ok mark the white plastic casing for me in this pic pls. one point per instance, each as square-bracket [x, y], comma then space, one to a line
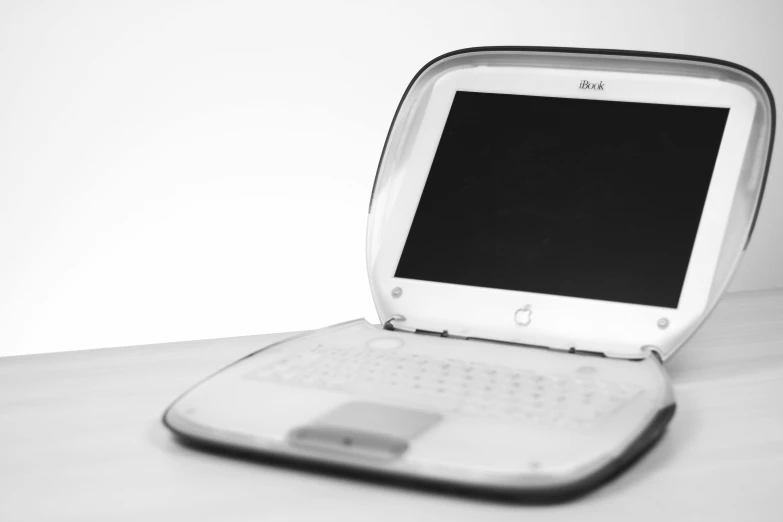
[614, 329]
[492, 452]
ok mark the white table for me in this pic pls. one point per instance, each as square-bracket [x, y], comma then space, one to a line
[81, 438]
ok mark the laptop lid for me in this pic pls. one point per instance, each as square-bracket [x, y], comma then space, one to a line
[590, 201]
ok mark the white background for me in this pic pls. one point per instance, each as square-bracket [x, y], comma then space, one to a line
[184, 170]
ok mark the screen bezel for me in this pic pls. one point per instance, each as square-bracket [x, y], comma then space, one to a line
[557, 321]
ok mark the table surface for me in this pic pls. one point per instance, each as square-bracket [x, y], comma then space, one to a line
[81, 438]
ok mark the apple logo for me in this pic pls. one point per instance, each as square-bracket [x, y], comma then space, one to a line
[523, 315]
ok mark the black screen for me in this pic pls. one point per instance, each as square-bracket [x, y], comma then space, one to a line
[581, 198]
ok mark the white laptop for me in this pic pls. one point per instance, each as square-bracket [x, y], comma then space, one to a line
[546, 229]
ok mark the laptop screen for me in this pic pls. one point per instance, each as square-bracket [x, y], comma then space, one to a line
[580, 198]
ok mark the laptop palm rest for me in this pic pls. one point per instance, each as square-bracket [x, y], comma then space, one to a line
[364, 429]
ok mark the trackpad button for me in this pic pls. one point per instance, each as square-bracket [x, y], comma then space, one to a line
[365, 429]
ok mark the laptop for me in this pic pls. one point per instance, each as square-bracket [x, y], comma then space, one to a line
[546, 229]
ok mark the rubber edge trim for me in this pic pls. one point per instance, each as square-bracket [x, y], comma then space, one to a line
[646, 440]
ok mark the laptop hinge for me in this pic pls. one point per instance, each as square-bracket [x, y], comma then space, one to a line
[392, 327]
[394, 324]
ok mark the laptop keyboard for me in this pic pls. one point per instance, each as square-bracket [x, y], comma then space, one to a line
[452, 386]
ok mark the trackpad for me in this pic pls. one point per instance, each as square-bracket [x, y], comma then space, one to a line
[365, 429]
